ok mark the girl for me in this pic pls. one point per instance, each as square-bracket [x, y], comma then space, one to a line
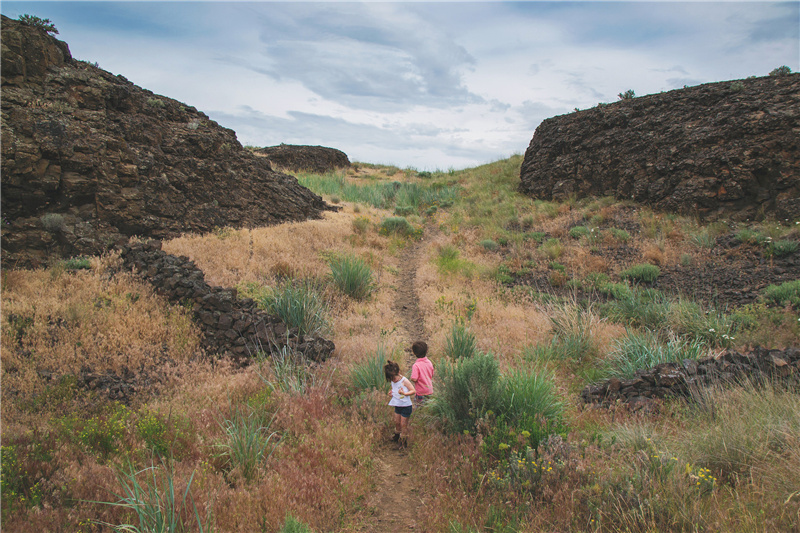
[401, 393]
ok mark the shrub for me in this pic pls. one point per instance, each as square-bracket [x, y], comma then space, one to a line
[737, 86]
[369, 375]
[784, 247]
[552, 248]
[703, 239]
[466, 391]
[536, 236]
[644, 273]
[528, 402]
[299, 305]
[647, 308]
[360, 225]
[643, 350]
[396, 225]
[747, 235]
[461, 342]
[293, 525]
[77, 263]
[783, 70]
[404, 210]
[489, 244]
[787, 293]
[627, 95]
[620, 234]
[153, 431]
[42, 24]
[247, 441]
[352, 276]
[52, 222]
[710, 326]
[577, 232]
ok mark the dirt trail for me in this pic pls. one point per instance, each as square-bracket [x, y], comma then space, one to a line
[397, 499]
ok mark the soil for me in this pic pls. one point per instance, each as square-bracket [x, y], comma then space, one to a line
[398, 498]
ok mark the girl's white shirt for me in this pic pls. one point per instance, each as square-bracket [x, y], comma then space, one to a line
[399, 400]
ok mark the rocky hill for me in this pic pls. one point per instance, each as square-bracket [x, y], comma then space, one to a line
[728, 148]
[90, 159]
[318, 159]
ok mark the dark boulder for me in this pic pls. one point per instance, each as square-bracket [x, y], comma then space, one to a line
[316, 159]
[719, 149]
[90, 159]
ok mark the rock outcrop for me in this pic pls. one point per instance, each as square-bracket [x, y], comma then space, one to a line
[686, 379]
[720, 149]
[232, 326]
[317, 159]
[89, 159]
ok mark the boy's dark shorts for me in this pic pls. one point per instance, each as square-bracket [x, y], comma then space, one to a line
[404, 411]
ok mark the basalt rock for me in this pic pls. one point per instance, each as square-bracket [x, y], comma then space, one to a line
[719, 149]
[688, 378]
[317, 159]
[90, 159]
[232, 327]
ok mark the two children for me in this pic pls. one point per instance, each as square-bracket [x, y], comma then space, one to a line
[402, 389]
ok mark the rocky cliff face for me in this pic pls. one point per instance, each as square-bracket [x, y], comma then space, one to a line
[728, 148]
[317, 159]
[89, 159]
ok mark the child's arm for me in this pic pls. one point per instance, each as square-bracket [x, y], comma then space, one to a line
[411, 390]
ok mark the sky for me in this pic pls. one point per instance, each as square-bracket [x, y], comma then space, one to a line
[445, 85]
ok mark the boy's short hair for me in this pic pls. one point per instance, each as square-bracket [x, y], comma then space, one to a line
[390, 370]
[420, 349]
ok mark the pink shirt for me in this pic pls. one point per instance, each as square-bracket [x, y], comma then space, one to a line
[422, 375]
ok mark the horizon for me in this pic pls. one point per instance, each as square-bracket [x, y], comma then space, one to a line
[420, 85]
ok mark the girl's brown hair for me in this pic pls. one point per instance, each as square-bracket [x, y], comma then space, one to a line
[390, 369]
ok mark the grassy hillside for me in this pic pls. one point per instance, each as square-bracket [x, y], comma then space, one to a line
[523, 300]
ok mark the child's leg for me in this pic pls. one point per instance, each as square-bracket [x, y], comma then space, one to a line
[404, 425]
[398, 421]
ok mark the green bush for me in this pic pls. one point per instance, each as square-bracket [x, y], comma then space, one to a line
[747, 235]
[529, 402]
[100, 434]
[77, 263]
[645, 273]
[787, 293]
[369, 375]
[577, 232]
[627, 95]
[783, 70]
[536, 236]
[293, 525]
[647, 308]
[397, 226]
[489, 244]
[52, 222]
[552, 248]
[352, 276]
[404, 210]
[461, 342]
[36, 22]
[620, 234]
[643, 350]
[360, 225]
[153, 431]
[299, 305]
[247, 441]
[709, 326]
[466, 390]
[784, 247]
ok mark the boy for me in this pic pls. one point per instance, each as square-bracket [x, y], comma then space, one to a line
[422, 372]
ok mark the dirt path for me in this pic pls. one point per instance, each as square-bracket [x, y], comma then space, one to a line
[397, 497]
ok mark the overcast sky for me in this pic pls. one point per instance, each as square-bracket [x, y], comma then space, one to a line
[428, 85]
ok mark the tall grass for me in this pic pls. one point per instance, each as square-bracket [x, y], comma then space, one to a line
[647, 308]
[461, 342]
[369, 375]
[529, 401]
[382, 194]
[299, 304]
[248, 441]
[466, 390]
[640, 350]
[352, 276]
[153, 500]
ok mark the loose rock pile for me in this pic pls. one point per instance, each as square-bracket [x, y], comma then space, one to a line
[672, 380]
[232, 327]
